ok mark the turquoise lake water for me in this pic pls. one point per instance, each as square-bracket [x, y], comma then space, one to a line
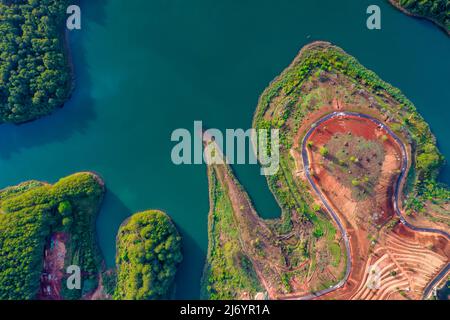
[144, 68]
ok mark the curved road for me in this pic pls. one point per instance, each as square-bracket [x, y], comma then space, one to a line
[402, 175]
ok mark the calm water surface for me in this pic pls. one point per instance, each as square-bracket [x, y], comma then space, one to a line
[144, 68]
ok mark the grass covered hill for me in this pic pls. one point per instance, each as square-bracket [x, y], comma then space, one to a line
[34, 70]
[30, 213]
[148, 253]
[299, 91]
[302, 251]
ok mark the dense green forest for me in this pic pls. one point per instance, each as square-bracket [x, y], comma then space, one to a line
[148, 252]
[149, 246]
[29, 213]
[35, 74]
[437, 10]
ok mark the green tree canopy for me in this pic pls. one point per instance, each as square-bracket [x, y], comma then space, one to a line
[148, 252]
[34, 71]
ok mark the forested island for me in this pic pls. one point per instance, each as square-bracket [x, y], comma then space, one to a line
[437, 11]
[148, 253]
[35, 75]
[36, 218]
[45, 229]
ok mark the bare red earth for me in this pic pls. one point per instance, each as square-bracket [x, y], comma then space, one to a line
[53, 271]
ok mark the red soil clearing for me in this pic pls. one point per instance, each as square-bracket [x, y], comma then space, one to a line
[365, 128]
[407, 260]
[53, 271]
[368, 130]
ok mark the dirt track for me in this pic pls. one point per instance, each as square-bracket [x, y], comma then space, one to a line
[408, 260]
[53, 271]
[356, 237]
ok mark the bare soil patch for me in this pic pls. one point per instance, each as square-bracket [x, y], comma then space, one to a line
[53, 271]
[376, 237]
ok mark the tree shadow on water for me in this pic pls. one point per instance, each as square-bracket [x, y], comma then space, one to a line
[190, 271]
[94, 11]
[78, 113]
[113, 213]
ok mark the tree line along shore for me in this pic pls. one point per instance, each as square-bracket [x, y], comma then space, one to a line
[148, 244]
[437, 11]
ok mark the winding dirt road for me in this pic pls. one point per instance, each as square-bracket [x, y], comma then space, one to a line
[398, 187]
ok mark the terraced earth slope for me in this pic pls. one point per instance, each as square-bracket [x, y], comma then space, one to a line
[406, 263]
[372, 222]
